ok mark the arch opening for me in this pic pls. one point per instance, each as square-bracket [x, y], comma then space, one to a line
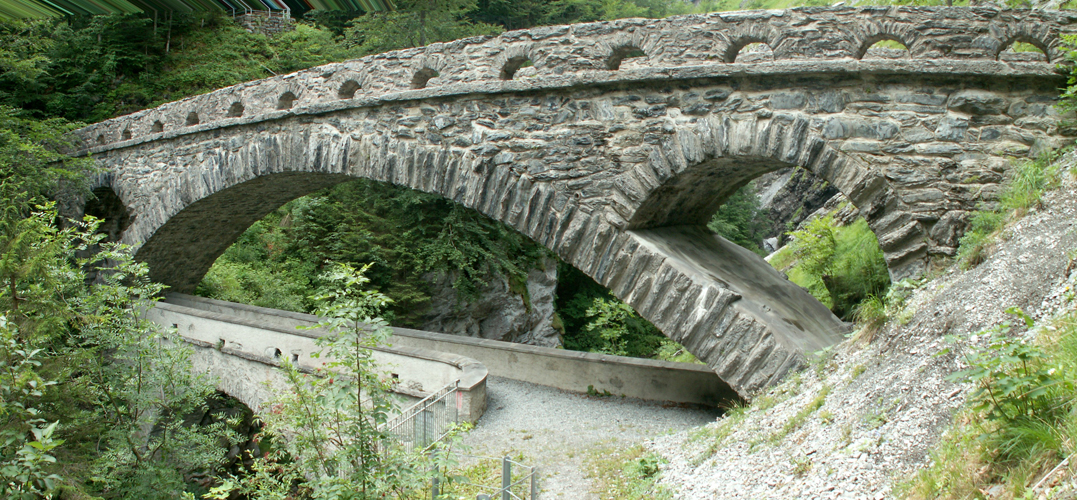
[157, 127]
[883, 47]
[235, 110]
[261, 269]
[126, 134]
[422, 77]
[286, 101]
[347, 89]
[1023, 49]
[192, 119]
[620, 54]
[749, 50]
[513, 65]
[834, 255]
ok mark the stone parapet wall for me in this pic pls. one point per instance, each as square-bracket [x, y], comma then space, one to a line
[932, 35]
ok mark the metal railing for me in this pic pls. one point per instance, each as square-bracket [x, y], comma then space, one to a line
[525, 487]
[428, 421]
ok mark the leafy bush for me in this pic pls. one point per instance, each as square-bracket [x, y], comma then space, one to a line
[840, 266]
[1021, 418]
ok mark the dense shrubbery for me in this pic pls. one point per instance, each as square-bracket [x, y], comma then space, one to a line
[842, 266]
[1022, 419]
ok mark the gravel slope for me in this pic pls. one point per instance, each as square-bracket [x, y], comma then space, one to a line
[558, 430]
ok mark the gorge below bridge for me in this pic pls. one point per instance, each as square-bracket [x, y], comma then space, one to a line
[616, 144]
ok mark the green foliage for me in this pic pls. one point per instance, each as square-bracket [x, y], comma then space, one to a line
[404, 234]
[26, 439]
[741, 221]
[840, 266]
[1024, 190]
[328, 423]
[596, 321]
[415, 23]
[1021, 418]
[630, 474]
[138, 382]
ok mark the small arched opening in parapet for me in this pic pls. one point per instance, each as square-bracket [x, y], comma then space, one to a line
[192, 119]
[273, 353]
[286, 101]
[749, 50]
[235, 110]
[347, 89]
[126, 134]
[513, 65]
[422, 77]
[1023, 49]
[101, 139]
[620, 54]
[157, 127]
[105, 205]
[883, 46]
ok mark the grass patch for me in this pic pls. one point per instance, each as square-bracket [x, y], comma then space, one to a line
[483, 476]
[717, 434]
[1021, 421]
[630, 474]
[802, 416]
[1028, 182]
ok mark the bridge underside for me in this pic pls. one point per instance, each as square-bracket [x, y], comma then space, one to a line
[618, 177]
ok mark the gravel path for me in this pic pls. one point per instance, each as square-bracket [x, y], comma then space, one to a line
[559, 430]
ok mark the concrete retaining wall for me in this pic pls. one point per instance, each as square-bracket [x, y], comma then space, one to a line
[243, 351]
[569, 370]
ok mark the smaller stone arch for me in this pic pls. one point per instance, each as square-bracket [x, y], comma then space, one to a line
[1003, 45]
[867, 43]
[613, 62]
[126, 134]
[731, 52]
[286, 100]
[157, 127]
[511, 66]
[422, 77]
[348, 88]
[192, 119]
[1040, 37]
[874, 32]
[101, 139]
[235, 110]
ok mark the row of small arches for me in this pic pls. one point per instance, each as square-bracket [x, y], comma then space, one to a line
[749, 45]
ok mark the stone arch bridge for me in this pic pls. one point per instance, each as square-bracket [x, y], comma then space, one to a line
[617, 162]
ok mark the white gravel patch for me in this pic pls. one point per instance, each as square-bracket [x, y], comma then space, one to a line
[558, 430]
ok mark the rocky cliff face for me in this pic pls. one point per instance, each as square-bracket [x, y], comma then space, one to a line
[500, 313]
[788, 197]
